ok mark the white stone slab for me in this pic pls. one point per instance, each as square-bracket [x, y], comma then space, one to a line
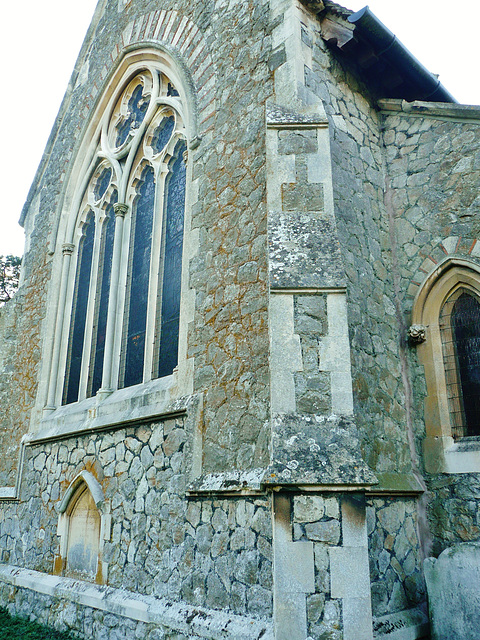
[349, 572]
[294, 567]
[357, 619]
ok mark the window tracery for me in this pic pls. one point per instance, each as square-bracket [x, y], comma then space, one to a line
[125, 302]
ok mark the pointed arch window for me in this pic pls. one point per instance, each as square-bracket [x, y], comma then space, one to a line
[460, 333]
[125, 301]
[447, 305]
[79, 312]
[84, 525]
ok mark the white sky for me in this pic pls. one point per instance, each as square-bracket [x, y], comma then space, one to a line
[41, 40]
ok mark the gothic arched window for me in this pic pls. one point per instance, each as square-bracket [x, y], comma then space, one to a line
[84, 524]
[447, 305]
[83, 541]
[460, 333]
[128, 241]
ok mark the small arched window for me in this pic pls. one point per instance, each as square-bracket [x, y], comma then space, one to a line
[127, 243]
[83, 542]
[83, 526]
[448, 306]
[460, 332]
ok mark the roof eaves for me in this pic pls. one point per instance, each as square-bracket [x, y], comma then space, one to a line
[387, 65]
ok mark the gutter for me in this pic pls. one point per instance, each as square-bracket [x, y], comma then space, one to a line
[387, 46]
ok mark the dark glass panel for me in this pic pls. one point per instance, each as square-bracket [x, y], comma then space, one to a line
[137, 107]
[466, 331]
[171, 91]
[172, 264]
[79, 312]
[103, 294]
[102, 183]
[162, 134]
[139, 268]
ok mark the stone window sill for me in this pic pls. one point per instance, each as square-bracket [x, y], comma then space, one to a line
[444, 455]
[139, 403]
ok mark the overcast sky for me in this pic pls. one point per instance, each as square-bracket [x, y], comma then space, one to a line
[41, 40]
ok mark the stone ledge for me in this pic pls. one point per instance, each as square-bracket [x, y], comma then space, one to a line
[228, 483]
[316, 450]
[280, 117]
[206, 623]
[396, 484]
[121, 409]
[436, 109]
[8, 493]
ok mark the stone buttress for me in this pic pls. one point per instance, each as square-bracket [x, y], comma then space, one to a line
[321, 572]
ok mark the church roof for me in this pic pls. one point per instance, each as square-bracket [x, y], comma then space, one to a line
[376, 54]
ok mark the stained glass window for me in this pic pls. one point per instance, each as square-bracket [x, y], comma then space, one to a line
[460, 331]
[162, 134]
[102, 183]
[139, 273]
[137, 107]
[103, 293]
[125, 306]
[77, 326]
[171, 91]
[172, 264]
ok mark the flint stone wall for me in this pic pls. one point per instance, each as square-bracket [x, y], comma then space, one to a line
[395, 563]
[105, 613]
[205, 551]
[454, 510]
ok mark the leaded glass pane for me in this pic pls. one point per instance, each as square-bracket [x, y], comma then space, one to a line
[162, 134]
[460, 332]
[137, 108]
[466, 330]
[102, 183]
[103, 294]
[139, 273]
[172, 264]
[77, 326]
[171, 91]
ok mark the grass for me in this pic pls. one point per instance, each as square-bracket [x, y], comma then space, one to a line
[13, 628]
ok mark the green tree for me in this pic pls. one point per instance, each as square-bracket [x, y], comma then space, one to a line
[9, 277]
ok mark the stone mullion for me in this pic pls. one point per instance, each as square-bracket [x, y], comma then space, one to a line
[67, 250]
[107, 383]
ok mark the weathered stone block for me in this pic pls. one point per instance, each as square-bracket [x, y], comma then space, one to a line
[301, 141]
[304, 250]
[302, 197]
[453, 581]
[328, 532]
[308, 508]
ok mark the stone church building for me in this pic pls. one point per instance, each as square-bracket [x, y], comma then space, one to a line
[240, 381]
